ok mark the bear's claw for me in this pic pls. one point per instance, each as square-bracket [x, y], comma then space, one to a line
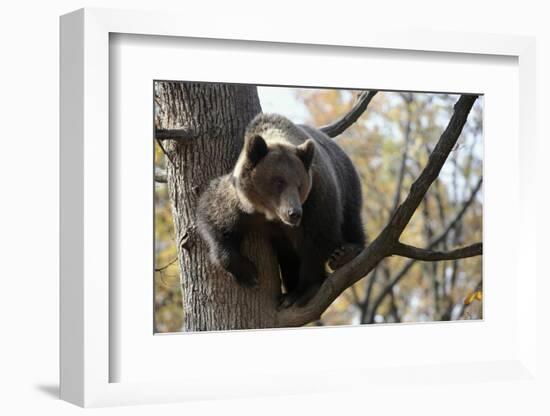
[343, 255]
[248, 275]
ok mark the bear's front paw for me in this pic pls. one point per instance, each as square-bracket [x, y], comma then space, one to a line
[343, 255]
[298, 298]
[286, 300]
[248, 275]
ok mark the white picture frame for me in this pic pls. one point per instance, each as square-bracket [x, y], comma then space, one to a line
[86, 355]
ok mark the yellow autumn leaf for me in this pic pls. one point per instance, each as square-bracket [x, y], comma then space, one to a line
[476, 295]
[470, 298]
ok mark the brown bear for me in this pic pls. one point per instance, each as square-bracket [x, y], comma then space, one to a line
[297, 184]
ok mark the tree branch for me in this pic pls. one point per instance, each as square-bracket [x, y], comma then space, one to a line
[396, 199]
[458, 216]
[387, 290]
[404, 157]
[339, 126]
[162, 268]
[404, 250]
[441, 237]
[159, 142]
[383, 245]
[173, 134]
[437, 158]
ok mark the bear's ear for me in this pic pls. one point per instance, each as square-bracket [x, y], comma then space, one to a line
[305, 152]
[256, 149]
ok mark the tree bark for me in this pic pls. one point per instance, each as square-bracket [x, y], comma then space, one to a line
[211, 120]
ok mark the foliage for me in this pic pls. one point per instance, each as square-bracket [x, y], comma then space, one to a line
[168, 305]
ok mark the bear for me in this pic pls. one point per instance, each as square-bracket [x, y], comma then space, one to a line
[301, 190]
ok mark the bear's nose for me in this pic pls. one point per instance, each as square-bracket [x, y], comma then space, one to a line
[294, 214]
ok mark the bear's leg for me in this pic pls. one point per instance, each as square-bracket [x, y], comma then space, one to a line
[354, 239]
[311, 276]
[289, 263]
[352, 227]
[343, 255]
[226, 253]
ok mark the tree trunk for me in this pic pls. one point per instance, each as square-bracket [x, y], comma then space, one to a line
[214, 118]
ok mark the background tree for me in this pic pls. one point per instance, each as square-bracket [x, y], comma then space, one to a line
[389, 146]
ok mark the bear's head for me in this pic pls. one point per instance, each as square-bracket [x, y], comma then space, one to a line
[274, 179]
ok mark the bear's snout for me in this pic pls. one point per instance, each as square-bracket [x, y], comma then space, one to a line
[294, 215]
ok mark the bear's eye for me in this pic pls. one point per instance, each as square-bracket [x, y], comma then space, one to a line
[279, 184]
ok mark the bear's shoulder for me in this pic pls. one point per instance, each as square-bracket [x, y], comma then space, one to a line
[219, 205]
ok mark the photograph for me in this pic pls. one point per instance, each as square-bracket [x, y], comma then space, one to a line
[303, 206]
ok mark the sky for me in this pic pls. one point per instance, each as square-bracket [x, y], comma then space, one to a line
[283, 101]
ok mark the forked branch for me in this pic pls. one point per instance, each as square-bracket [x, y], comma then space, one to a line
[387, 241]
[432, 244]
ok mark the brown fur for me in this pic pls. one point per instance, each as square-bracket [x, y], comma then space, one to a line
[302, 187]
[276, 183]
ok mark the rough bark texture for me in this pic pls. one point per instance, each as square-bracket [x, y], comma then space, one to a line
[213, 118]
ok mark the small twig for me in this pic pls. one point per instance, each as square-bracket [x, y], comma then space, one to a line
[366, 302]
[404, 157]
[160, 269]
[165, 151]
[459, 215]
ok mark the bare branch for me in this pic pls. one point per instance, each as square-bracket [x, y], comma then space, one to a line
[383, 245]
[404, 250]
[366, 302]
[173, 134]
[388, 289]
[339, 126]
[437, 158]
[162, 268]
[458, 216]
[404, 156]
[396, 199]
[441, 237]
[159, 142]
